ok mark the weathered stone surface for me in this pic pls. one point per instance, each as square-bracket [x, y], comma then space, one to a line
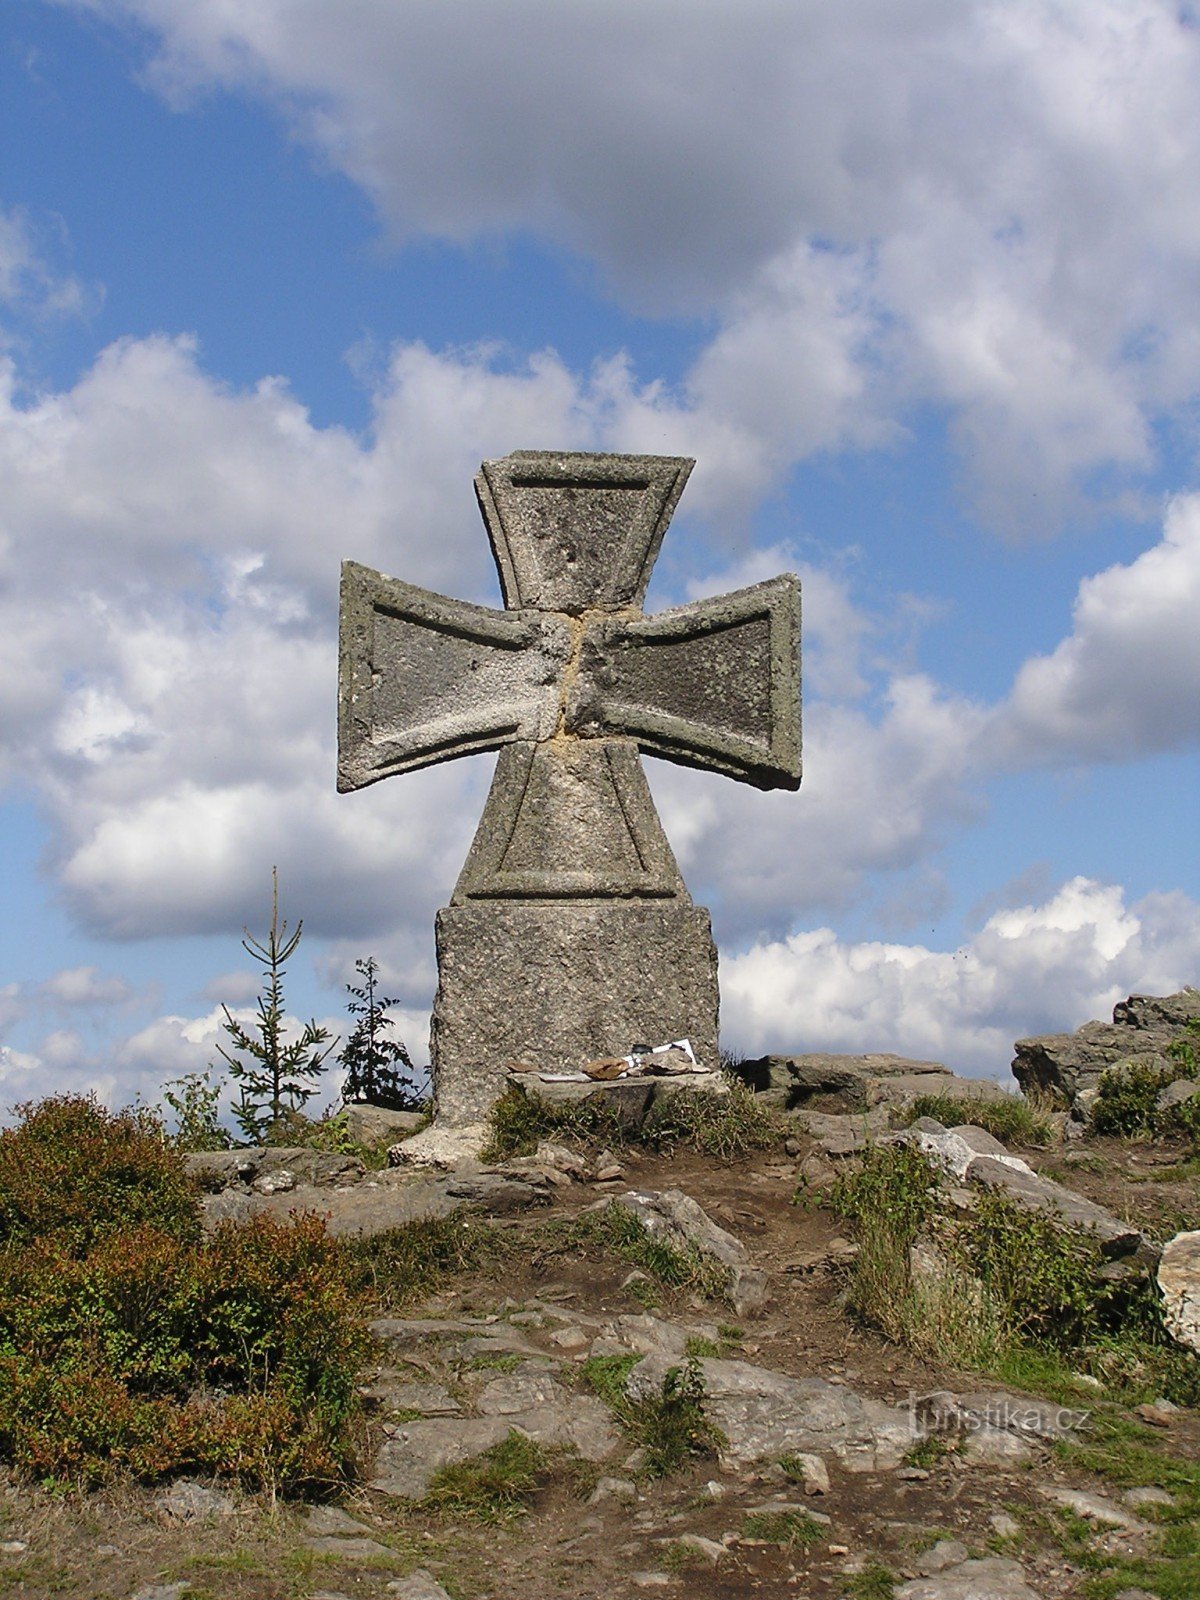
[1070, 1064]
[418, 1585]
[559, 983]
[570, 935]
[376, 1126]
[676, 1216]
[1176, 1093]
[441, 1148]
[1150, 1011]
[956, 1149]
[220, 1169]
[988, 1579]
[845, 1133]
[1179, 1281]
[765, 1415]
[1095, 1507]
[185, 1500]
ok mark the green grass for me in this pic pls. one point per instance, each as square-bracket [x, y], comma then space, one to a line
[617, 1230]
[723, 1126]
[1127, 1455]
[792, 1529]
[494, 1486]
[874, 1582]
[1012, 1120]
[670, 1427]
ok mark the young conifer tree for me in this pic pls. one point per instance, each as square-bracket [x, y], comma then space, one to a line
[280, 1075]
[373, 1060]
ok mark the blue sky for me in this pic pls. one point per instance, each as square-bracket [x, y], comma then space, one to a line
[916, 283]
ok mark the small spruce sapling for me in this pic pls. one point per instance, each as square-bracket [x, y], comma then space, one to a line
[372, 1060]
[279, 1078]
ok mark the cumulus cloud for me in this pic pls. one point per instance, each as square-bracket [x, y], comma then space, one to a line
[1126, 680]
[990, 207]
[1030, 969]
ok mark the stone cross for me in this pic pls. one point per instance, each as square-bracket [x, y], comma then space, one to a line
[570, 934]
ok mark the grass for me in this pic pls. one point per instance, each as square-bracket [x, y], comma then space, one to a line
[403, 1263]
[670, 1427]
[874, 1582]
[1012, 1120]
[722, 1126]
[494, 1486]
[618, 1231]
[519, 1121]
[792, 1529]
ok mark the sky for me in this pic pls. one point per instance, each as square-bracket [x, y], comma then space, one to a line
[916, 282]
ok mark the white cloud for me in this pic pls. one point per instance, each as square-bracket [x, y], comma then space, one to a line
[85, 986]
[28, 283]
[1126, 680]
[991, 207]
[878, 796]
[1033, 969]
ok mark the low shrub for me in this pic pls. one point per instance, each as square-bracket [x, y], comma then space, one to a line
[74, 1171]
[130, 1343]
[1126, 1102]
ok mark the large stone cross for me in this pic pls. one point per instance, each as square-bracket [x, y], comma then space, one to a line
[570, 934]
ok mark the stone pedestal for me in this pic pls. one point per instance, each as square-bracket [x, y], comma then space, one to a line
[560, 983]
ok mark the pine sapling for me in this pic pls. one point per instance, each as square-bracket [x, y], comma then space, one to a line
[372, 1060]
[279, 1077]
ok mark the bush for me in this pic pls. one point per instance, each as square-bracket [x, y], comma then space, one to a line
[74, 1171]
[1127, 1097]
[136, 1345]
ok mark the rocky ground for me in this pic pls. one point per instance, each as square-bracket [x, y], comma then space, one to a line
[838, 1464]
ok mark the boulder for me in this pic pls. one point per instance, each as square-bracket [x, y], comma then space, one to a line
[849, 1078]
[678, 1218]
[258, 1166]
[1179, 1281]
[1070, 1064]
[378, 1126]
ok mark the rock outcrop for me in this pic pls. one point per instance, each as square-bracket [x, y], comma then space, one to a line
[855, 1083]
[1070, 1064]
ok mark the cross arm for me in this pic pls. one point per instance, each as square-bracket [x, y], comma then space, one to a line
[423, 678]
[714, 684]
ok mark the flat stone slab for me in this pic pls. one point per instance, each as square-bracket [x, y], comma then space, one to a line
[765, 1415]
[989, 1579]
